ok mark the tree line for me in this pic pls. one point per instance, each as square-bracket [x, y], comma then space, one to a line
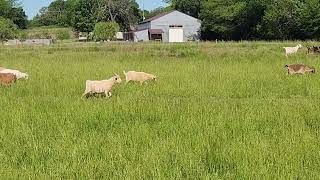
[254, 19]
[221, 19]
[83, 15]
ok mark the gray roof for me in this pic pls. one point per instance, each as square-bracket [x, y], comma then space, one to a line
[156, 17]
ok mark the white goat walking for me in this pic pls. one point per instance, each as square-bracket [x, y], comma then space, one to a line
[292, 50]
[139, 76]
[18, 74]
[100, 87]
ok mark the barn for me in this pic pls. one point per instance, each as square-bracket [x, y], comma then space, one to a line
[173, 26]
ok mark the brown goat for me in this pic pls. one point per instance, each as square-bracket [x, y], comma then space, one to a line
[299, 69]
[313, 49]
[6, 79]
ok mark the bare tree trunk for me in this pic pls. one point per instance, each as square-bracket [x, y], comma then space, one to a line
[112, 17]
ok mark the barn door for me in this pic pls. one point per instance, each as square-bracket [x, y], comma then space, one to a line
[176, 35]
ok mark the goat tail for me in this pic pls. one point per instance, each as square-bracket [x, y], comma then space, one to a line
[286, 66]
[124, 72]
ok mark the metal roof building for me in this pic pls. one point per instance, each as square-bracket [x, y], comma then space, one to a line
[173, 26]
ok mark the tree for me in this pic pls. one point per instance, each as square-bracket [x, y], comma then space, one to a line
[82, 15]
[223, 19]
[125, 12]
[10, 9]
[310, 19]
[85, 15]
[281, 20]
[190, 7]
[19, 17]
[254, 19]
[4, 8]
[58, 13]
[8, 29]
[106, 30]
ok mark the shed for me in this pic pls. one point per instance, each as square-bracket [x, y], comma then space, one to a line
[173, 26]
[119, 36]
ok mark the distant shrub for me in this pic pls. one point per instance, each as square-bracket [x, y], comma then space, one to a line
[36, 35]
[105, 30]
[23, 35]
[45, 34]
[63, 35]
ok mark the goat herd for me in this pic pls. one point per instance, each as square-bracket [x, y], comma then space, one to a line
[10, 76]
[105, 86]
[300, 68]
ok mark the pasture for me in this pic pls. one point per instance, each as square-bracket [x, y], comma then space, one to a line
[217, 111]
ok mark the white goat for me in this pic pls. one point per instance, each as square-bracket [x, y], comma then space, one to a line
[100, 87]
[292, 50]
[139, 76]
[18, 74]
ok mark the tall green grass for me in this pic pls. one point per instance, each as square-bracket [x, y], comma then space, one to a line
[217, 111]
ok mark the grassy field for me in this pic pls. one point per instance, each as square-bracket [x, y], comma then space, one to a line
[218, 111]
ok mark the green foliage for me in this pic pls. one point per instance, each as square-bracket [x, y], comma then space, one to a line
[19, 17]
[45, 34]
[63, 34]
[281, 20]
[23, 35]
[58, 13]
[11, 10]
[190, 7]
[4, 8]
[310, 19]
[223, 17]
[82, 15]
[41, 34]
[8, 29]
[106, 30]
[85, 18]
[125, 12]
[49, 32]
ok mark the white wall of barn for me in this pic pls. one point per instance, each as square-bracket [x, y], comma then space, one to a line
[141, 35]
[191, 25]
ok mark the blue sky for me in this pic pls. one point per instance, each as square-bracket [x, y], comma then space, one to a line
[32, 7]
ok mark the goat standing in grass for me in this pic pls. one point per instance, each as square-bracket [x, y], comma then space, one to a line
[101, 87]
[139, 76]
[299, 69]
[292, 50]
[18, 74]
[313, 49]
